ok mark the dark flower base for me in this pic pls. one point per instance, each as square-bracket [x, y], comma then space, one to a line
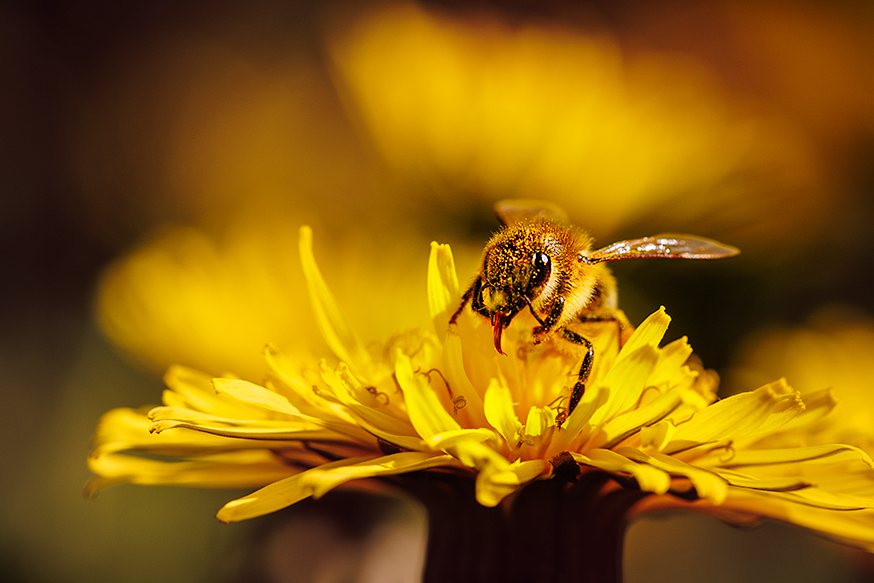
[551, 530]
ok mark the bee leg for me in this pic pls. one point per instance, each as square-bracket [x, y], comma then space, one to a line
[617, 316]
[473, 289]
[603, 317]
[625, 327]
[585, 367]
[551, 319]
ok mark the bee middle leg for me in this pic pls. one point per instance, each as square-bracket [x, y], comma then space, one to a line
[617, 316]
[585, 367]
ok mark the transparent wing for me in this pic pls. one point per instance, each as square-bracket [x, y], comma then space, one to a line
[519, 209]
[667, 245]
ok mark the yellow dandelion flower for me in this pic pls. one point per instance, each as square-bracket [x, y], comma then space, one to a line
[487, 443]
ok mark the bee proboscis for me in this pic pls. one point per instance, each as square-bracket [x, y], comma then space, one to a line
[540, 262]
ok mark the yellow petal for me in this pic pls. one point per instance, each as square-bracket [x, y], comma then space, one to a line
[498, 403]
[676, 353]
[693, 401]
[494, 482]
[816, 406]
[477, 454]
[255, 395]
[649, 333]
[771, 484]
[619, 428]
[853, 527]
[649, 478]
[319, 480]
[345, 388]
[539, 421]
[185, 414]
[194, 389]
[453, 368]
[332, 323]
[707, 484]
[656, 436]
[745, 415]
[577, 427]
[323, 481]
[670, 370]
[265, 436]
[449, 440]
[828, 500]
[127, 429]
[852, 478]
[234, 469]
[424, 408]
[196, 417]
[358, 420]
[624, 383]
[443, 292]
[812, 454]
[354, 388]
[300, 393]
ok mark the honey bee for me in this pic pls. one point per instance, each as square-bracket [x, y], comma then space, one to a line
[540, 262]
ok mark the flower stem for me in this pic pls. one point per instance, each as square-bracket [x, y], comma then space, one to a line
[550, 530]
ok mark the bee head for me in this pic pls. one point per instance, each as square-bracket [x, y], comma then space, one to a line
[514, 275]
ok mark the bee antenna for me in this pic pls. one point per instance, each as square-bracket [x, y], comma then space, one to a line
[533, 313]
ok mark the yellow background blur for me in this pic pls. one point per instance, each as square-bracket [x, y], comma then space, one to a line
[157, 160]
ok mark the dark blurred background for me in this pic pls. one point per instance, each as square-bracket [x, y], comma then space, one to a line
[156, 160]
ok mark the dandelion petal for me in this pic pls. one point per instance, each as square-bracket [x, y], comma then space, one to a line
[255, 395]
[498, 405]
[649, 478]
[332, 323]
[319, 480]
[443, 292]
[424, 408]
[497, 481]
[708, 485]
[649, 333]
[745, 415]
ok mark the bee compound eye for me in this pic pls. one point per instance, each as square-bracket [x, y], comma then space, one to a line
[542, 267]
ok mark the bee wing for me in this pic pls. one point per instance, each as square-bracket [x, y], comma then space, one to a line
[667, 245]
[519, 209]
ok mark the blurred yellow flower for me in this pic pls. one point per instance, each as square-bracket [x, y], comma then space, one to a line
[441, 399]
[832, 354]
[212, 303]
[476, 104]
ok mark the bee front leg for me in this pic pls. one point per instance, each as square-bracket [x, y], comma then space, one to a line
[554, 314]
[585, 367]
[472, 291]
